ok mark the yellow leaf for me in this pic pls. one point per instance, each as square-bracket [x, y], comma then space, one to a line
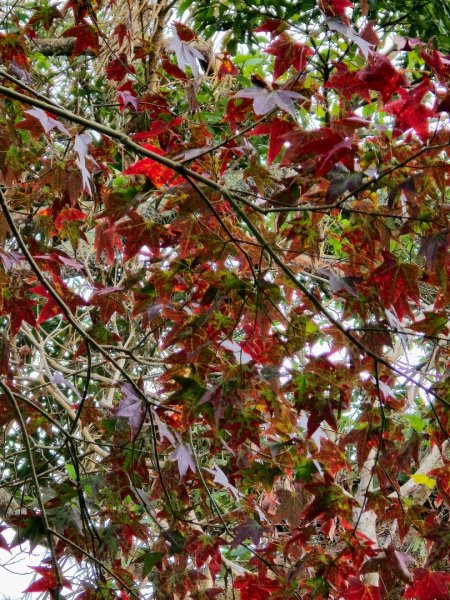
[423, 479]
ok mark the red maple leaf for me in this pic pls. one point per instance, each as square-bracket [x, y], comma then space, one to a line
[365, 437]
[392, 566]
[109, 300]
[429, 585]
[356, 590]
[12, 50]
[396, 283]
[19, 307]
[44, 15]
[410, 112]
[86, 37]
[237, 111]
[438, 62]
[434, 249]
[348, 83]
[159, 174]
[272, 26]
[137, 232]
[349, 124]
[288, 53]
[120, 31]
[106, 240]
[332, 457]
[255, 587]
[47, 583]
[329, 145]
[329, 501]
[67, 215]
[157, 127]
[250, 530]
[369, 34]
[118, 68]
[31, 124]
[440, 536]
[79, 7]
[276, 129]
[172, 69]
[51, 307]
[442, 477]
[308, 389]
[185, 33]
[380, 75]
[205, 548]
[335, 8]
[433, 323]
[227, 67]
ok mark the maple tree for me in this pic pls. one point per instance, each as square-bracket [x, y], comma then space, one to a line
[224, 338]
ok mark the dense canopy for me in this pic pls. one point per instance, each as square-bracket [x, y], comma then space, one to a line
[223, 298]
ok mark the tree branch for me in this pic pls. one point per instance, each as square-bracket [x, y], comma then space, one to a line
[62, 46]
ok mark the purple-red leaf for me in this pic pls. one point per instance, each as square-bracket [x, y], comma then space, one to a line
[183, 455]
[250, 530]
[80, 146]
[48, 123]
[265, 100]
[132, 408]
[187, 55]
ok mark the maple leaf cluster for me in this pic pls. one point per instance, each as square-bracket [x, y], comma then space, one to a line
[224, 305]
